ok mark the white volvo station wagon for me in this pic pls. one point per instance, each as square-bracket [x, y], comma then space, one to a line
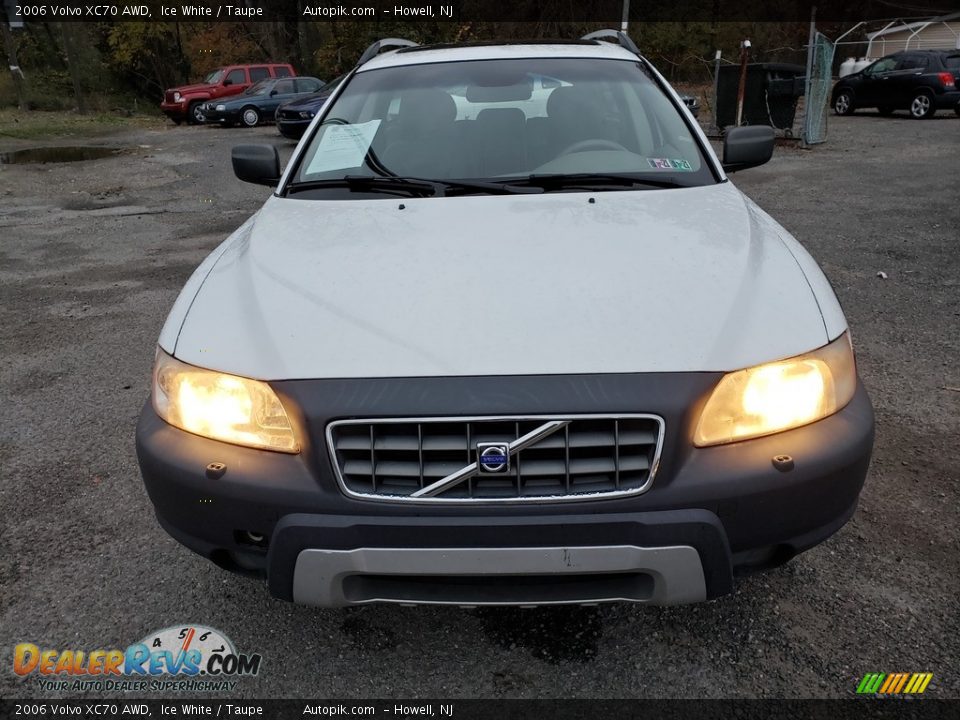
[505, 334]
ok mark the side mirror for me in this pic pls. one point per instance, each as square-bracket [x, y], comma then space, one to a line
[273, 92]
[259, 164]
[227, 81]
[746, 147]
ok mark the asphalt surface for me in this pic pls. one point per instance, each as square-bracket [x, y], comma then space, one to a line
[92, 256]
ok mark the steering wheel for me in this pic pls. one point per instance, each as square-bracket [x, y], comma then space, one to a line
[592, 144]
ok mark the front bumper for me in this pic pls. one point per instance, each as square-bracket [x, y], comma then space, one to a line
[293, 129]
[541, 569]
[175, 110]
[212, 116]
[285, 517]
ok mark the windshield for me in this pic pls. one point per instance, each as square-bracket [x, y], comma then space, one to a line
[260, 88]
[505, 120]
[213, 77]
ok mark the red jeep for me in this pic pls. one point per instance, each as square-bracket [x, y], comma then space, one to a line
[183, 103]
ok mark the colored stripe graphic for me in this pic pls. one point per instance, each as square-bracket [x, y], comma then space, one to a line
[871, 683]
[894, 683]
[890, 681]
[902, 680]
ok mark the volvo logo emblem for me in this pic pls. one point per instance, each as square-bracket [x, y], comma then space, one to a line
[493, 458]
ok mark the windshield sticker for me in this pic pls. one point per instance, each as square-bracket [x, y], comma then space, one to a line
[668, 164]
[342, 147]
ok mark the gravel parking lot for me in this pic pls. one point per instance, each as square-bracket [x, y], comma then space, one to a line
[92, 255]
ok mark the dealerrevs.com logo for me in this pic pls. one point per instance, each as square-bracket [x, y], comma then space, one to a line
[178, 658]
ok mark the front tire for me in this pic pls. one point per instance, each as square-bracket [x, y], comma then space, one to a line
[843, 103]
[195, 114]
[922, 107]
[250, 116]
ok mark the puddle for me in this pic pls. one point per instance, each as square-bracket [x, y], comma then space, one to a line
[71, 153]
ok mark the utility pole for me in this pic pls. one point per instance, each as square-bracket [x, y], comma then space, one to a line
[626, 16]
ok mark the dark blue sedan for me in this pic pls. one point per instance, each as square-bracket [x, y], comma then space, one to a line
[294, 117]
[259, 102]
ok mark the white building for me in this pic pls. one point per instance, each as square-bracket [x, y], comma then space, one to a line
[939, 33]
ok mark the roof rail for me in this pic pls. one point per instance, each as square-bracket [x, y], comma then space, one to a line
[622, 39]
[381, 45]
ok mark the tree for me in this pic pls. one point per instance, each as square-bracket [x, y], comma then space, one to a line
[18, 80]
[72, 54]
[149, 51]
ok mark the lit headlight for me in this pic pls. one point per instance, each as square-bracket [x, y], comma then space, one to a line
[306, 114]
[177, 97]
[221, 108]
[779, 396]
[220, 406]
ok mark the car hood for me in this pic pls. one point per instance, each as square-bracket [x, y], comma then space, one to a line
[238, 101]
[311, 102]
[196, 87]
[696, 279]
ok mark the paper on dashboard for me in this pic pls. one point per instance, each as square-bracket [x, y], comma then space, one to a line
[343, 146]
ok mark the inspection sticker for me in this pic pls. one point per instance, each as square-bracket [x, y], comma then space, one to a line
[669, 164]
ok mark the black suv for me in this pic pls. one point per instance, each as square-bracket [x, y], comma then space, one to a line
[921, 81]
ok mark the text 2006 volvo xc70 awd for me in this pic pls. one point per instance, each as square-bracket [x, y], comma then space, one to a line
[505, 334]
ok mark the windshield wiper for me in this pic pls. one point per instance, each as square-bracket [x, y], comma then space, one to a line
[594, 180]
[412, 185]
[386, 183]
[484, 186]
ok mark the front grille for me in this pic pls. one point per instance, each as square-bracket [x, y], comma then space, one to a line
[289, 114]
[582, 457]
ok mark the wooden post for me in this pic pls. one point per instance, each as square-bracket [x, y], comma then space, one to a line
[716, 92]
[744, 56]
[807, 79]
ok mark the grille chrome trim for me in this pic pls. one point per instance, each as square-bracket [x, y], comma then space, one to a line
[473, 468]
[466, 477]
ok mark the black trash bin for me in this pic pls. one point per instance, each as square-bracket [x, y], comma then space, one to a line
[770, 94]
